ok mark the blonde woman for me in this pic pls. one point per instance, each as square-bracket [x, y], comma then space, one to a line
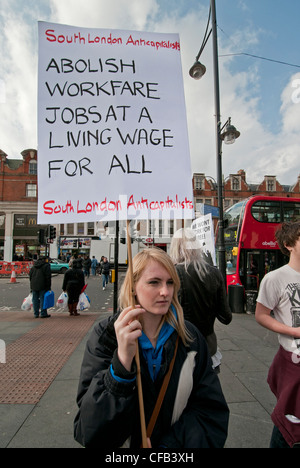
[202, 291]
[194, 412]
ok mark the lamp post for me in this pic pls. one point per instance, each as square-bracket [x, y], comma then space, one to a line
[196, 72]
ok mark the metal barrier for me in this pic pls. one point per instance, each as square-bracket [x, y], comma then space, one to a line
[20, 268]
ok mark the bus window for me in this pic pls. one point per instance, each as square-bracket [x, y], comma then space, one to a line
[291, 211]
[266, 211]
[252, 280]
[232, 215]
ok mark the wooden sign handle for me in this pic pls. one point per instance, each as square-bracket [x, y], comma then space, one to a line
[137, 355]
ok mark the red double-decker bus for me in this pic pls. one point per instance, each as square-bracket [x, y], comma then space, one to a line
[251, 247]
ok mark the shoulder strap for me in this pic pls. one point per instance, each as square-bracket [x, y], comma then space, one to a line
[161, 395]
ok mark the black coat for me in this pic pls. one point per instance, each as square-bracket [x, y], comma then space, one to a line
[73, 284]
[109, 410]
[203, 300]
[40, 276]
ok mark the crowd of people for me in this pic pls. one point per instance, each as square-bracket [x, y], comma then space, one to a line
[73, 282]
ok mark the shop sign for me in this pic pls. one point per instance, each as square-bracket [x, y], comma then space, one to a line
[24, 221]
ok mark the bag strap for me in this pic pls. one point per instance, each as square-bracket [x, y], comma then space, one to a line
[161, 395]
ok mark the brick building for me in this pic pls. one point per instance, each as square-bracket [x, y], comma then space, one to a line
[18, 206]
[236, 188]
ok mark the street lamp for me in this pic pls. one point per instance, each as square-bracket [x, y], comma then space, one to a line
[228, 136]
[197, 70]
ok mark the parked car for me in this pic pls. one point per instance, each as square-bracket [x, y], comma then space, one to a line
[58, 266]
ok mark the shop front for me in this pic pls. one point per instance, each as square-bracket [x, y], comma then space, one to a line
[25, 238]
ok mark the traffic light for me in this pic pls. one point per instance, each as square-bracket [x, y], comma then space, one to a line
[51, 232]
[41, 236]
[79, 244]
[75, 244]
[123, 240]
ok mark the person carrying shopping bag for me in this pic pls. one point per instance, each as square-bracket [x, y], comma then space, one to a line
[72, 285]
[40, 283]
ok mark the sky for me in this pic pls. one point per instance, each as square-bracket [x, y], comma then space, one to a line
[259, 92]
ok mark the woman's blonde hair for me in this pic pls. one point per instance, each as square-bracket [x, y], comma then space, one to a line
[186, 249]
[139, 263]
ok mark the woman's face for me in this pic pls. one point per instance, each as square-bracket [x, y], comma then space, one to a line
[155, 288]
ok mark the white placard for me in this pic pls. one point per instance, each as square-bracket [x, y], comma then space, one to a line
[112, 131]
[204, 229]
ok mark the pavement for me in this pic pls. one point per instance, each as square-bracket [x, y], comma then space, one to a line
[43, 358]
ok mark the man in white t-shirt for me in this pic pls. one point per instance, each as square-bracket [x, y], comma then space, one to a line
[280, 293]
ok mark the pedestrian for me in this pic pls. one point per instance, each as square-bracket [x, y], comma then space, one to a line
[202, 293]
[104, 271]
[277, 309]
[72, 285]
[94, 264]
[193, 413]
[40, 283]
[86, 264]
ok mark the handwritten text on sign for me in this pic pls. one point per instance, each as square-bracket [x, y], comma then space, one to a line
[112, 126]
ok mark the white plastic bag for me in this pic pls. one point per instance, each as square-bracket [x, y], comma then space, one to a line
[62, 301]
[27, 302]
[83, 302]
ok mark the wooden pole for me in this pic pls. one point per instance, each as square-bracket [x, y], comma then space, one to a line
[137, 355]
[116, 266]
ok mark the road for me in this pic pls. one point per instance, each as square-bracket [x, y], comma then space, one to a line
[12, 294]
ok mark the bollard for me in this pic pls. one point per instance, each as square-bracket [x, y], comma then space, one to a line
[236, 298]
[113, 276]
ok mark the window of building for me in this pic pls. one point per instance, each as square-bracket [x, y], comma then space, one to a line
[161, 227]
[171, 226]
[31, 190]
[91, 229]
[151, 227]
[33, 167]
[270, 184]
[227, 203]
[236, 183]
[80, 228]
[199, 182]
[70, 228]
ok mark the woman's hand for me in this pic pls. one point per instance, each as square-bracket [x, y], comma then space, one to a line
[128, 330]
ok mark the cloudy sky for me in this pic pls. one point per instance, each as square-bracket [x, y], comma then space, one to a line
[261, 95]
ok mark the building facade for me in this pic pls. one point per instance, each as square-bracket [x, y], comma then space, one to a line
[18, 206]
[236, 188]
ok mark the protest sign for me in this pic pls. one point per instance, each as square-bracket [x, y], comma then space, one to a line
[204, 229]
[112, 131]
